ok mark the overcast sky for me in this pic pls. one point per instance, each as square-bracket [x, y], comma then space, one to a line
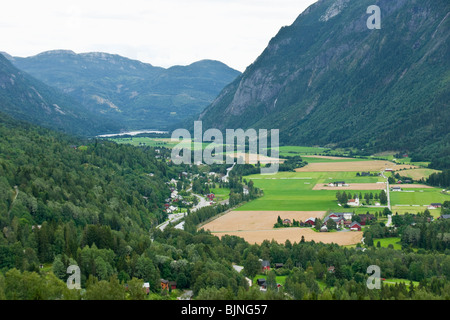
[161, 32]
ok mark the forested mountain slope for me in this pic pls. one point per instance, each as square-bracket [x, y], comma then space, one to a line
[133, 94]
[328, 79]
[27, 98]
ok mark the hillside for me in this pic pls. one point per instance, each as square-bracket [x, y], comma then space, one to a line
[329, 80]
[134, 94]
[64, 178]
[25, 98]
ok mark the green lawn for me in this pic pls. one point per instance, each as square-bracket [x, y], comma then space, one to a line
[154, 142]
[417, 200]
[385, 242]
[221, 193]
[393, 281]
[290, 191]
[280, 279]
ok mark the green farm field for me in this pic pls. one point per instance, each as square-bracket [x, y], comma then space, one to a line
[293, 191]
[420, 197]
[153, 142]
[312, 159]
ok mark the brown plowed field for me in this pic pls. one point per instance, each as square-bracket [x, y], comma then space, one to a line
[257, 226]
[257, 220]
[295, 235]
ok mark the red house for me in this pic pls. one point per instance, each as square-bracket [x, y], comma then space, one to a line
[311, 221]
[355, 226]
[265, 265]
[172, 285]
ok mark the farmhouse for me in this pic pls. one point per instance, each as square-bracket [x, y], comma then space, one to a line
[337, 220]
[339, 184]
[355, 226]
[437, 205]
[311, 221]
[287, 222]
[146, 287]
[265, 265]
[345, 215]
[396, 189]
[164, 284]
[262, 284]
[353, 202]
[366, 218]
[172, 285]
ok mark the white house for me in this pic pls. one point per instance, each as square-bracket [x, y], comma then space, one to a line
[353, 202]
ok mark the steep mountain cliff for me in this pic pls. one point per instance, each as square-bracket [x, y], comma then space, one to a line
[328, 79]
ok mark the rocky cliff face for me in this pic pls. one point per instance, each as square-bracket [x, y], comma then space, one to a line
[328, 79]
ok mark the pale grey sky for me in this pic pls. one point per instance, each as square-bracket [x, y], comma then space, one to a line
[161, 32]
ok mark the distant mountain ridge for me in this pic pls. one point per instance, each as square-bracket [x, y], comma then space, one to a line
[135, 94]
[329, 80]
[25, 98]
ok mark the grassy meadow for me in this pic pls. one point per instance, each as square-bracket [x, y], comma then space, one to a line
[292, 191]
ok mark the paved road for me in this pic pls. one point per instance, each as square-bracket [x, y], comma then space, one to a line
[202, 202]
[389, 222]
[388, 189]
[172, 219]
[388, 193]
[225, 178]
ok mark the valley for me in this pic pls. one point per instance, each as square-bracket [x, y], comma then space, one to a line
[112, 185]
[306, 194]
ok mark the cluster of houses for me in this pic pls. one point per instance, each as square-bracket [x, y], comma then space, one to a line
[175, 198]
[343, 221]
[265, 267]
[338, 184]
